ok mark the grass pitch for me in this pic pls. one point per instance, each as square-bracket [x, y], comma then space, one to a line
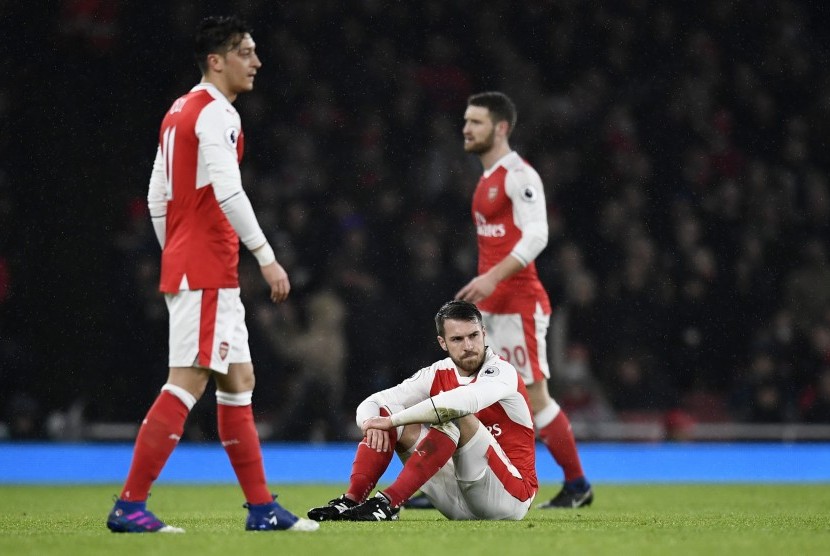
[629, 519]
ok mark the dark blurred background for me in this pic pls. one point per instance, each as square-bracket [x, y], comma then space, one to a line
[682, 146]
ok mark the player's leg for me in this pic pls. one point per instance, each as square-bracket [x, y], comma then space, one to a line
[369, 464]
[161, 430]
[431, 453]
[491, 486]
[441, 484]
[158, 436]
[367, 468]
[239, 437]
[552, 424]
[163, 425]
[233, 373]
[441, 491]
[425, 460]
[237, 430]
[554, 430]
[477, 472]
[522, 340]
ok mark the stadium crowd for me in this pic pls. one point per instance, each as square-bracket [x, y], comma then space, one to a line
[680, 144]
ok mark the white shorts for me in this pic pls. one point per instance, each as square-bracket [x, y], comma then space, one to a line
[521, 339]
[207, 329]
[467, 487]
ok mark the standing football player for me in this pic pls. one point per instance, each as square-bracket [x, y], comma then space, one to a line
[200, 213]
[510, 216]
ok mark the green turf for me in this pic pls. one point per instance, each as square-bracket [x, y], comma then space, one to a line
[783, 520]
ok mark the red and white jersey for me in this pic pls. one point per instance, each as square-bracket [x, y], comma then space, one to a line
[496, 395]
[196, 169]
[510, 216]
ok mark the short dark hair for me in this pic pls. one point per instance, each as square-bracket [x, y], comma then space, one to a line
[500, 106]
[218, 35]
[456, 310]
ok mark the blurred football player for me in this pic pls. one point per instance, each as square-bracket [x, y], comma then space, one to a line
[510, 216]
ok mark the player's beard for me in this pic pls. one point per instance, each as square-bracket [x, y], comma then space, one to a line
[470, 364]
[483, 146]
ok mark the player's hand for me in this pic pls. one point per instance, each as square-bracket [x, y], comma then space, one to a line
[380, 422]
[378, 440]
[477, 289]
[277, 279]
[376, 430]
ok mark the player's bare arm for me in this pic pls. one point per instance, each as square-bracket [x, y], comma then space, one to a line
[277, 279]
[483, 286]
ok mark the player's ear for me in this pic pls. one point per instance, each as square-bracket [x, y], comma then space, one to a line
[442, 343]
[215, 62]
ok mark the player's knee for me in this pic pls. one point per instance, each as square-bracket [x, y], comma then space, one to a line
[467, 427]
[452, 429]
[539, 395]
[408, 436]
[240, 378]
[192, 380]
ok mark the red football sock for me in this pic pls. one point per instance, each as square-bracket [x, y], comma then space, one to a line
[368, 466]
[559, 439]
[241, 442]
[430, 455]
[158, 436]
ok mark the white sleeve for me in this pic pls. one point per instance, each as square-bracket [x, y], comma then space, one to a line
[407, 393]
[240, 214]
[157, 198]
[218, 129]
[370, 407]
[464, 400]
[524, 188]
